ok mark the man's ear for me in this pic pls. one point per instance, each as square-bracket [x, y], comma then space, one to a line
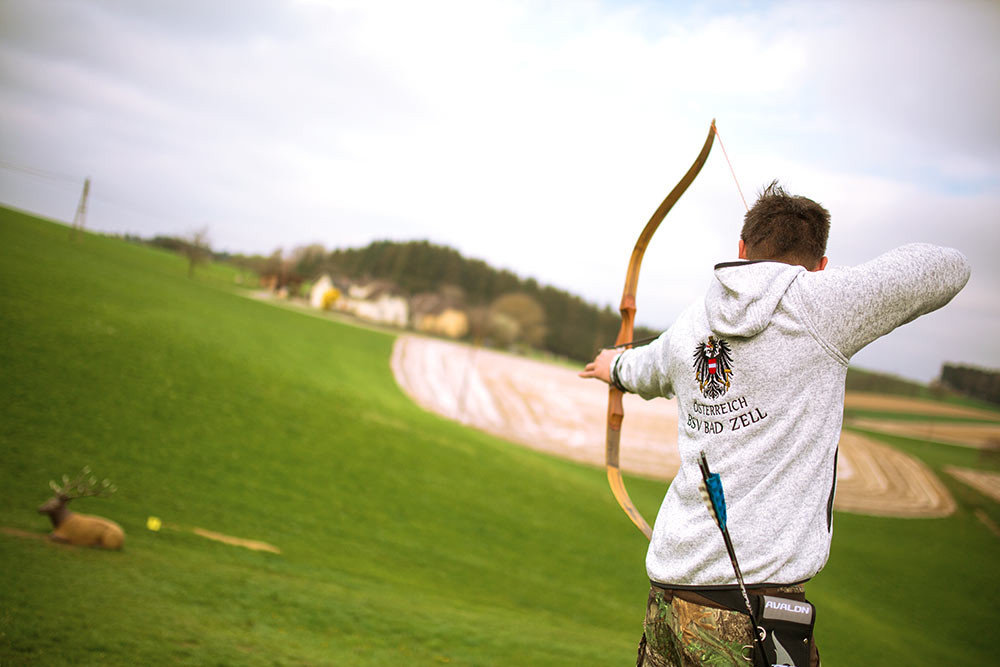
[743, 251]
[822, 264]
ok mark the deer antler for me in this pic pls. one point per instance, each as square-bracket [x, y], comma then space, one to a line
[82, 486]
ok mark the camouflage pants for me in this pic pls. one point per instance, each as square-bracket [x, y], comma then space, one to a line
[680, 633]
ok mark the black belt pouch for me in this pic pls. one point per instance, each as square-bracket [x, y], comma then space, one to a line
[788, 625]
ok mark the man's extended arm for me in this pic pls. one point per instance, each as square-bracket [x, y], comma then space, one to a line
[640, 370]
[850, 307]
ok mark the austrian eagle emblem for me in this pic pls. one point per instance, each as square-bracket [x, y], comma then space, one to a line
[713, 364]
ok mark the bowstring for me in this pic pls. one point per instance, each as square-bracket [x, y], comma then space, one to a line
[731, 170]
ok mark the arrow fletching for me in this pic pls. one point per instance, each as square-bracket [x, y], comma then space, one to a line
[712, 494]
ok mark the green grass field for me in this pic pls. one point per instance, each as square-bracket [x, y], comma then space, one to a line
[406, 539]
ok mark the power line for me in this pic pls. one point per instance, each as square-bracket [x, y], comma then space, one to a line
[4, 164]
[75, 182]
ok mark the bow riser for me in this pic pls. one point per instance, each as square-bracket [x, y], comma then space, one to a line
[615, 410]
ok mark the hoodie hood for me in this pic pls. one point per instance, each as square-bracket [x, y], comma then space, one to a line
[743, 296]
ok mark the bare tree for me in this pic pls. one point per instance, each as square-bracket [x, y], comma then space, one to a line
[479, 323]
[196, 249]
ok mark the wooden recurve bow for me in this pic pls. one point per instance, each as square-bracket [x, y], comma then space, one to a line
[615, 411]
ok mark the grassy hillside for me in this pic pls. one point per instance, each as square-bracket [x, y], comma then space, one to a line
[405, 538]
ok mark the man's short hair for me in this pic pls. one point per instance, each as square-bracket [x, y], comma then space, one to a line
[786, 228]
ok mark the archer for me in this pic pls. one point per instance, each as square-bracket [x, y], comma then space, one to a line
[764, 354]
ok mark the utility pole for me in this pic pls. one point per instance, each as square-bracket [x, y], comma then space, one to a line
[80, 219]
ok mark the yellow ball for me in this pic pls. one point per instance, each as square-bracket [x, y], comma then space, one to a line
[153, 523]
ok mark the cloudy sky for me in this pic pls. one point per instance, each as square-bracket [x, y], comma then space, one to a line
[538, 136]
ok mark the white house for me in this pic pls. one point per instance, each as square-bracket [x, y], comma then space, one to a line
[376, 303]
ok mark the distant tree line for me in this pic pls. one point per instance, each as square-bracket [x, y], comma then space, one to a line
[883, 383]
[973, 382]
[574, 328]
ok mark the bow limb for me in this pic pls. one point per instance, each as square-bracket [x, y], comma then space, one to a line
[616, 412]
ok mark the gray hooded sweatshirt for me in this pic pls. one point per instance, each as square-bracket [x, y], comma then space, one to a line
[758, 368]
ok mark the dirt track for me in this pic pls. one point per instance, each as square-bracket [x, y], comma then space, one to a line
[859, 400]
[547, 407]
[980, 436]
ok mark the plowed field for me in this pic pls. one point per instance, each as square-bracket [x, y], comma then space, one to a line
[547, 407]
